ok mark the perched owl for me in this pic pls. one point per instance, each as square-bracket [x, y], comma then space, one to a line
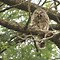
[40, 21]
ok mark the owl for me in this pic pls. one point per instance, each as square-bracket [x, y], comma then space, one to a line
[40, 21]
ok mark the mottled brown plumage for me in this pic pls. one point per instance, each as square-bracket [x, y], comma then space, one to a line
[39, 21]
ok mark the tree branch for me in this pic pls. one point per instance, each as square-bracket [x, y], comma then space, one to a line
[15, 27]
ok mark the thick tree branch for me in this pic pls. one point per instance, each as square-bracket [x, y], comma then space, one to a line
[18, 28]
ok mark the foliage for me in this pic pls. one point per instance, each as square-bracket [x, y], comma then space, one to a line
[21, 51]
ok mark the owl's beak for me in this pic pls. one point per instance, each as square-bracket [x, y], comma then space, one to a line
[39, 15]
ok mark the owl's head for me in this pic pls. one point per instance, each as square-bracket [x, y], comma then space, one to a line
[40, 13]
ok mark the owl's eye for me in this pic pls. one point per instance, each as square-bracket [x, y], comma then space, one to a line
[40, 15]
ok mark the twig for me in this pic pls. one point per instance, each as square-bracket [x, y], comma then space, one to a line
[35, 44]
[11, 39]
[58, 2]
[48, 38]
[43, 3]
[3, 51]
[55, 4]
[26, 26]
[39, 2]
